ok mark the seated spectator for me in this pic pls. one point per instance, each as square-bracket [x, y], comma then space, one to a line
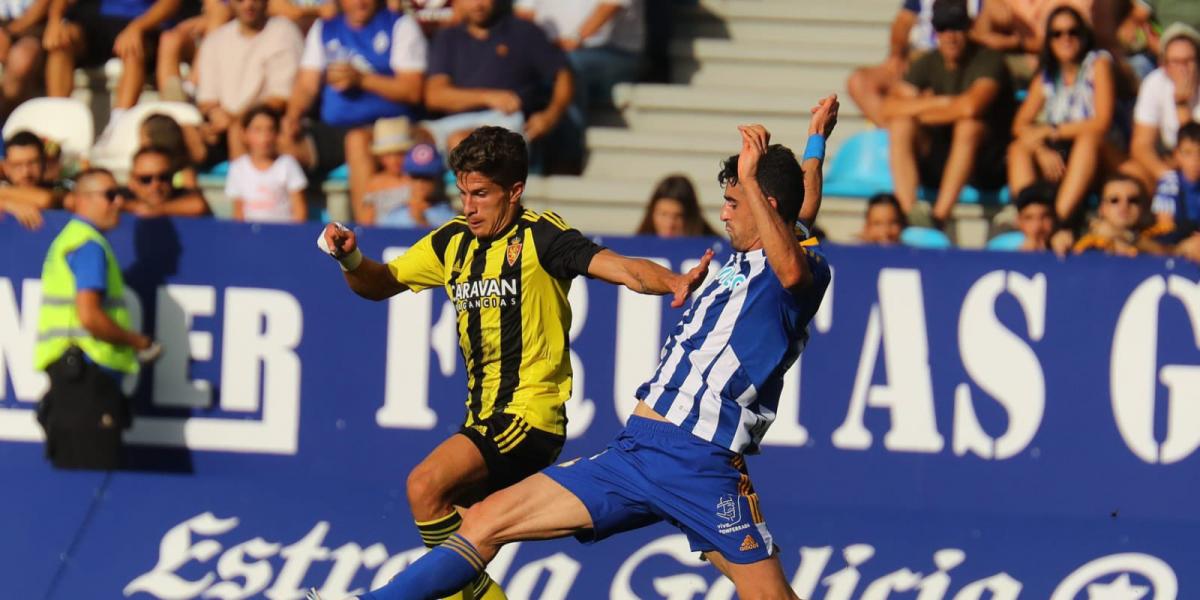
[153, 194]
[912, 36]
[252, 60]
[493, 69]
[24, 169]
[1073, 95]
[1124, 225]
[603, 40]
[367, 63]
[92, 32]
[1037, 220]
[303, 13]
[673, 211]
[264, 186]
[949, 120]
[884, 221]
[21, 26]
[409, 191]
[1177, 197]
[179, 45]
[183, 145]
[1168, 99]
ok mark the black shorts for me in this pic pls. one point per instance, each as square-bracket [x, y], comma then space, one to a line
[100, 33]
[512, 449]
[989, 171]
[330, 143]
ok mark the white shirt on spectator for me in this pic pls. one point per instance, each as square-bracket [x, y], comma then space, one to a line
[265, 195]
[563, 19]
[238, 71]
[1156, 106]
[13, 9]
[408, 48]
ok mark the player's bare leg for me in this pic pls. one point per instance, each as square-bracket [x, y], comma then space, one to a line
[435, 486]
[762, 580]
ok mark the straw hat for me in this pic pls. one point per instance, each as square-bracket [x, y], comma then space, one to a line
[392, 135]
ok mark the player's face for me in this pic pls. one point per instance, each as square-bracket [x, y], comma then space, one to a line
[739, 220]
[488, 206]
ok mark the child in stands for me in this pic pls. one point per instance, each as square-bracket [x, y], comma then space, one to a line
[263, 185]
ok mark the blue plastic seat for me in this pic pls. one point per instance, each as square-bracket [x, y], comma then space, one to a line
[925, 237]
[969, 195]
[1007, 242]
[860, 168]
[341, 173]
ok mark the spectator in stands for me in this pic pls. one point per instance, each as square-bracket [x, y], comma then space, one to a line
[884, 221]
[22, 23]
[1037, 220]
[912, 36]
[673, 211]
[949, 121]
[91, 32]
[24, 173]
[409, 191]
[493, 69]
[154, 195]
[263, 185]
[183, 145]
[603, 40]
[1124, 225]
[252, 60]
[303, 13]
[1073, 96]
[1176, 202]
[180, 44]
[365, 64]
[1168, 99]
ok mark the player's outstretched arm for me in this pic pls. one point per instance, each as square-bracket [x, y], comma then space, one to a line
[367, 278]
[778, 238]
[824, 119]
[647, 277]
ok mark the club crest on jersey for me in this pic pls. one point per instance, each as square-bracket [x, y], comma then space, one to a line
[513, 252]
[730, 278]
[727, 508]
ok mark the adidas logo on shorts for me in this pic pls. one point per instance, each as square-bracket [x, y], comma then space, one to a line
[748, 544]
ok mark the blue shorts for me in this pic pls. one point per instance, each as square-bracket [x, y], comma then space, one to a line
[654, 471]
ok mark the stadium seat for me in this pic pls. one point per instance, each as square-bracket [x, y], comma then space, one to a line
[860, 168]
[925, 237]
[116, 151]
[1007, 242]
[969, 195]
[341, 173]
[66, 121]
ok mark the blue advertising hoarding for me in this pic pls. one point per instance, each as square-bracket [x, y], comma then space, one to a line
[963, 425]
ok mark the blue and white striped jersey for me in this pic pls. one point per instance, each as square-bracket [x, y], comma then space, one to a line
[721, 369]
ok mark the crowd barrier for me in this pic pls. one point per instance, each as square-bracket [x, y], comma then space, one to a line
[963, 425]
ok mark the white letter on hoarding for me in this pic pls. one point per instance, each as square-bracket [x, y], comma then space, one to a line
[1002, 364]
[18, 335]
[298, 558]
[178, 305]
[1134, 359]
[233, 565]
[406, 386]
[177, 550]
[639, 340]
[580, 409]
[897, 324]
[675, 546]
[562, 571]
[843, 583]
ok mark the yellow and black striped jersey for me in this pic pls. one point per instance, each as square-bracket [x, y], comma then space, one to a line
[510, 295]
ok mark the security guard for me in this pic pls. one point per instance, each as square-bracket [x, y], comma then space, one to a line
[85, 343]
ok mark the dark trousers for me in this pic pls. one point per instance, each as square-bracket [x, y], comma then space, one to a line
[83, 415]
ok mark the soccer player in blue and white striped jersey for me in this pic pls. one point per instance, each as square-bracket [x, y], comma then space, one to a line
[680, 457]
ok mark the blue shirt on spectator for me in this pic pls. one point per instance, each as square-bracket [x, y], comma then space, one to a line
[516, 56]
[89, 265]
[1173, 188]
[125, 9]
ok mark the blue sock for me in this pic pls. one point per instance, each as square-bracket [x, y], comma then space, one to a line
[443, 571]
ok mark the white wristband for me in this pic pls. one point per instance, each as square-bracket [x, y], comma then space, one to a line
[351, 261]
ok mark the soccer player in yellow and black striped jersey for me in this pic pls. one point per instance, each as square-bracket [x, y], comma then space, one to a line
[507, 271]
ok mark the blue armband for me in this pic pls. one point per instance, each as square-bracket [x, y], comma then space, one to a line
[815, 148]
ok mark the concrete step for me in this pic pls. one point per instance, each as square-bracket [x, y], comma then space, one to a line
[798, 53]
[856, 21]
[791, 66]
[811, 80]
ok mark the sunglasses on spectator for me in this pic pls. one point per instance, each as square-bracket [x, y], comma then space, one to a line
[111, 195]
[150, 178]
[1061, 33]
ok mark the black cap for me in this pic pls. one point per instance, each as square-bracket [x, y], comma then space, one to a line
[950, 15]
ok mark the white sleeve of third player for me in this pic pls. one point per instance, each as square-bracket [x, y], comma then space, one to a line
[409, 47]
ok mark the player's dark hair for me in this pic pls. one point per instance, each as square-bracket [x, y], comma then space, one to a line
[497, 153]
[679, 188]
[1189, 132]
[26, 139]
[1047, 62]
[261, 109]
[779, 176]
[888, 200]
[1038, 192]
